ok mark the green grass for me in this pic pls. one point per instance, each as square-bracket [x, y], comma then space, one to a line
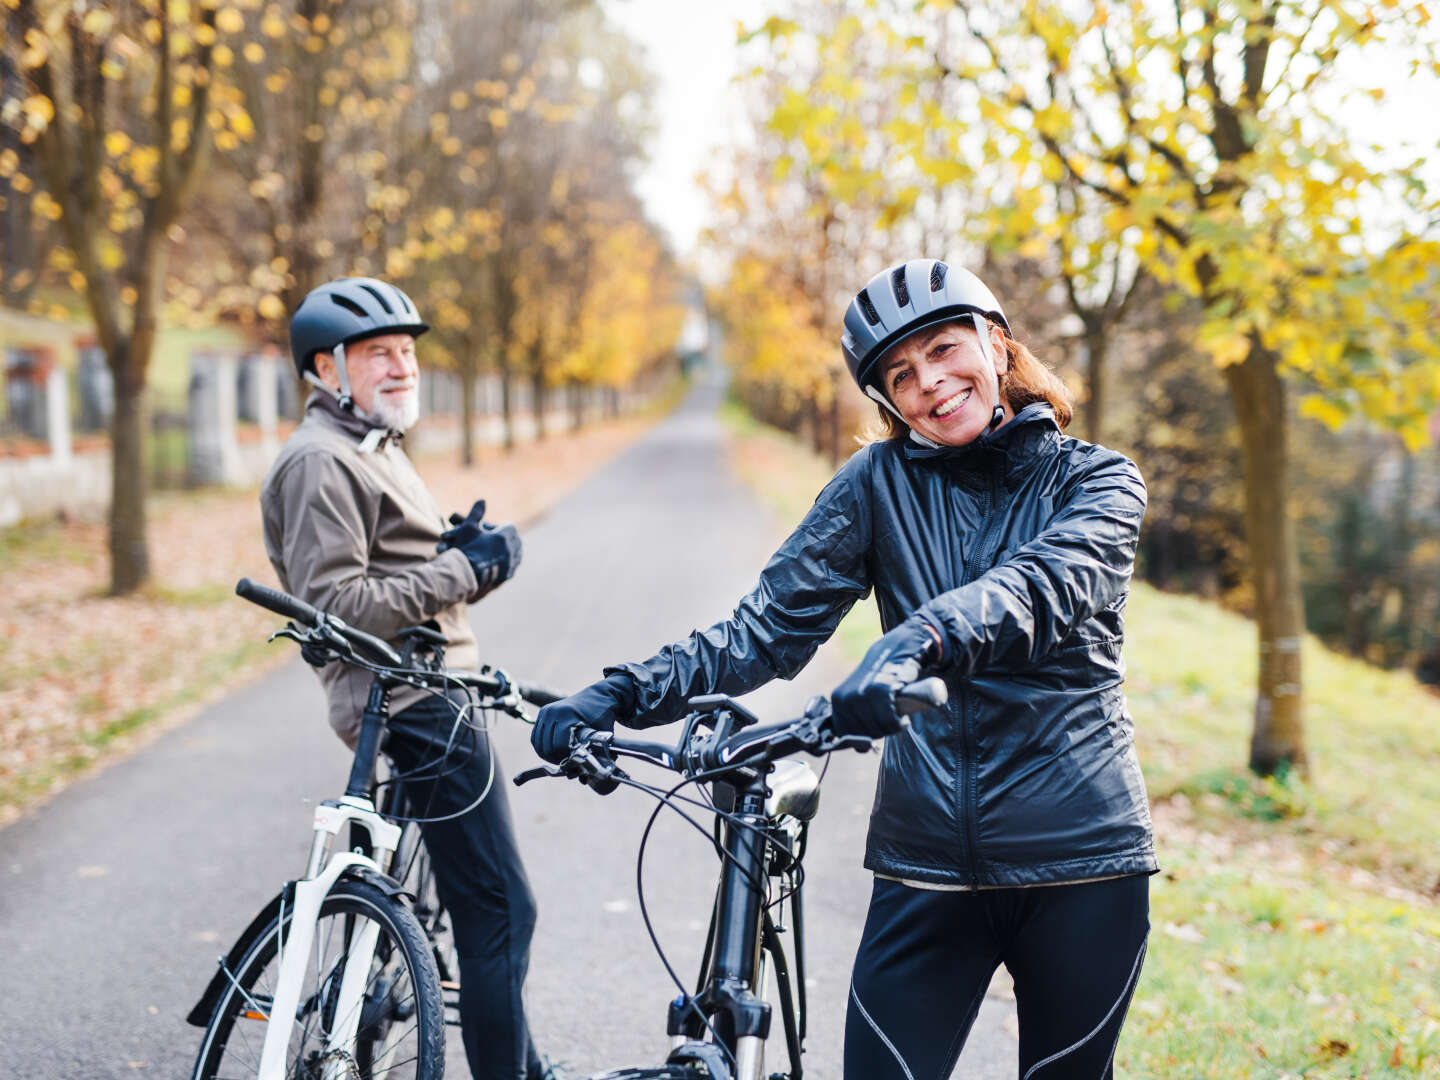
[1294, 928]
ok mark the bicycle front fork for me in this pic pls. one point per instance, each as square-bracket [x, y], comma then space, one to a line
[324, 869]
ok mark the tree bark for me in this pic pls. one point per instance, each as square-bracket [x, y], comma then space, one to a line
[1097, 351]
[537, 393]
[467, 408]
[506, 415]
[129, 552]
[1259, 396]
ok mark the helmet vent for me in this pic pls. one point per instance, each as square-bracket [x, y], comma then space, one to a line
[937, 276]
[867, 307]
[898, 286]
[349, 305]
[376, 293]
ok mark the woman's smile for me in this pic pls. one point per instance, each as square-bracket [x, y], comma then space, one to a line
[950, 404]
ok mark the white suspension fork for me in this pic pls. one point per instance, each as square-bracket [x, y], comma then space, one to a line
[309, 895]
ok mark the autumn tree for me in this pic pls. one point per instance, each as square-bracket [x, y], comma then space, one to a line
[1205, 137]
[120, 104]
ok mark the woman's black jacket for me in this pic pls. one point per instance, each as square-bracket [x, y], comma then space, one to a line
[1018, 548]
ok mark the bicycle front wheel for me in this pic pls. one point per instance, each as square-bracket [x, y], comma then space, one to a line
[400, 1034]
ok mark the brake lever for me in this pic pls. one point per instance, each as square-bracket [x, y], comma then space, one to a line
[599, 774]
[540, 772]
[288, 631]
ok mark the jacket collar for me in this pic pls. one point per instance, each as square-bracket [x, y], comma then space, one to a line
[1009, 449]
[354, 424]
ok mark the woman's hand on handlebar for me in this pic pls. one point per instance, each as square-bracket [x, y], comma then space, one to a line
[597, 707]
[864, 704]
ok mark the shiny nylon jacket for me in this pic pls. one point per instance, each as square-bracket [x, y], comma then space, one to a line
[1018, 548]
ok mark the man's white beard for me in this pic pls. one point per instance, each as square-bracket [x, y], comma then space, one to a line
[395, 413]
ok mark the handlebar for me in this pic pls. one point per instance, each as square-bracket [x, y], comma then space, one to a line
[292, 607]
[381, 656]
[592, 762]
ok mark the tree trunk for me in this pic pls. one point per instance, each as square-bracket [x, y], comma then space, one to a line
[1097, 349]
[577, 406]
[537, 392]
[467, 410]
[507, 421]
[129, 550]
[1259, 396]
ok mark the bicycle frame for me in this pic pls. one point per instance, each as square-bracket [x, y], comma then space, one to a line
[297, 909]
[766, 815]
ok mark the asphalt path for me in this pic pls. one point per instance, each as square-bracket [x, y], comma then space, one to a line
[117, 896]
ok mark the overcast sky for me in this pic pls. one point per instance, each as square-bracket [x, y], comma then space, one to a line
[691, 49]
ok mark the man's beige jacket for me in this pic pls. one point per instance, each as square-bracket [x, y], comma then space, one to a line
[353, 531]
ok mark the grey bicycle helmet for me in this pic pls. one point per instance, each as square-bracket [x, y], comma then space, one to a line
[345, 311]
[909, 296]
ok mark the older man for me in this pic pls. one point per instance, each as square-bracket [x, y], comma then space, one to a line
[351, 528]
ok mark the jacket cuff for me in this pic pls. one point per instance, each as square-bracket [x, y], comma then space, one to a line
[459, 570]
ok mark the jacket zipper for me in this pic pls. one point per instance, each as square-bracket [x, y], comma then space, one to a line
[970, 811]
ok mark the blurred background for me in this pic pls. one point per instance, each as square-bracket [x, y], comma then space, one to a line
[1218, 220]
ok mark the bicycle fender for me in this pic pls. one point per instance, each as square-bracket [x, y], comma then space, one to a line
[200, 1015]
[384, 882]
[707, 1055]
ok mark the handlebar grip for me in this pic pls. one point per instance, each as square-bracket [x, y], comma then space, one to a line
[281, 603]
[538, 695]
[377, 648]
[928, 693]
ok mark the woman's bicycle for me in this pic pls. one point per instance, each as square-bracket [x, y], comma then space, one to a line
[344, 974]
[762, 802]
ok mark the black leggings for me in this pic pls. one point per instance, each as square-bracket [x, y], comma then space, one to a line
[926, 959]
[481, 881]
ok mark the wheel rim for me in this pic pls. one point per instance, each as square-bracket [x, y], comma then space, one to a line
[388, 1041]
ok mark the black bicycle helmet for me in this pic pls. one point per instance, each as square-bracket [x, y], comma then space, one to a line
[909, 296]
[348, 310]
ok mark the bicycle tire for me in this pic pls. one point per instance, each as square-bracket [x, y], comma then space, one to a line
[653, 1072]
[412, 859]
[401, 1032]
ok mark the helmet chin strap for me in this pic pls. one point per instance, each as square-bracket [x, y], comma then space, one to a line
[982, 330]
[344, 399]
[875, 395]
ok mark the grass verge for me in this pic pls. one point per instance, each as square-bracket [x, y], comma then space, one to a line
[1295, 929]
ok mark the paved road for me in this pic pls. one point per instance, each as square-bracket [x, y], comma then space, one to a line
[118, 895]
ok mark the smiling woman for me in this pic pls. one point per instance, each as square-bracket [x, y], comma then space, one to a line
[1011, 825]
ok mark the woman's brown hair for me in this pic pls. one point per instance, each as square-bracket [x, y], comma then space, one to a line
[1027, 379]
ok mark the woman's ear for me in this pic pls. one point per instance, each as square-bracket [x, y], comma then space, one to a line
[999, 350]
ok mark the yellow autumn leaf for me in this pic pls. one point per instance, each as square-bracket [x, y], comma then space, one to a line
[39, 109]
[97, 22]
[1328, 412]
[1227, 349]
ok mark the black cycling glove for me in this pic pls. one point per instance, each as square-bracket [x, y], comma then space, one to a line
[464, 528]
[864, 704]
[493, 550]
[598, 707]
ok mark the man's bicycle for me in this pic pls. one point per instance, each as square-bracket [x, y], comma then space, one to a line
[344, 974]
[762, 802]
